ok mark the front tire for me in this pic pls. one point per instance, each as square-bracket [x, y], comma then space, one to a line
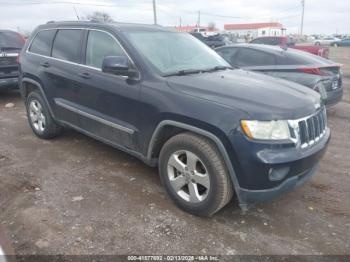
[39, 117]
[194, 174]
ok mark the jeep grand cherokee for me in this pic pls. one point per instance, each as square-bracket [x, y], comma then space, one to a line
[11, 44]
[168, 99]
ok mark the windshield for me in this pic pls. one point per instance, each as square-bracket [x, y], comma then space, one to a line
[10, 40]
[171, 52]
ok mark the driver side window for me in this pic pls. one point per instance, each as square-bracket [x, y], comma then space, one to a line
[100, 45]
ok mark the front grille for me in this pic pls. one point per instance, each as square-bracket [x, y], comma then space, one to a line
[4, 61]
[313, 128]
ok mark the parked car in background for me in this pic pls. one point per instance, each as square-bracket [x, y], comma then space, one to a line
[285, 41]
[343, 42]
[173, 102]
[326, 40]
[11, 44]
[213, 41]
[317, 73]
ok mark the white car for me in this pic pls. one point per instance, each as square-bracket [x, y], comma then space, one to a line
[326, 40]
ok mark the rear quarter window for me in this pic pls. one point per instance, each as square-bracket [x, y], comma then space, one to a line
[67, 45]
[295, 58]
[42, 42]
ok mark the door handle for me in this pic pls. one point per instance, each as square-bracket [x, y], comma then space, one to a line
[45, 64]
[85, 75]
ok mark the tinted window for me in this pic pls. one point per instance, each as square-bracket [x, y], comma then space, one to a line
[251, 57]
[42, 42]
[271, 41]
[67, 45]
[294, 57]
[258, 41]
[267, 41]
[228, 54]
[11, 40]
[99, 46]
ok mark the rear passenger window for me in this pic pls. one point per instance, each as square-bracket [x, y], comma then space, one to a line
[67, 45]
[258, 41]
[42, 42]
[100, 45]
[251, 57]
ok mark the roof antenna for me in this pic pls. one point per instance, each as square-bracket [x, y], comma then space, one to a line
[76, 13]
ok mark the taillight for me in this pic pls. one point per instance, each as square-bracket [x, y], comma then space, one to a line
[22, 38]
[311, 70]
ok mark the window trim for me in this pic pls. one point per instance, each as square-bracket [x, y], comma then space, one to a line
[84, 47]
[36, 35]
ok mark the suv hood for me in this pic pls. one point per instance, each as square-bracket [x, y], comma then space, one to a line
[260, 96]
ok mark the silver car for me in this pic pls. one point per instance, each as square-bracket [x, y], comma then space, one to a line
[326, 40]
[322, 75]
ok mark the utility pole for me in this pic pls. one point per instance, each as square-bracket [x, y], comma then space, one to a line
[155, 11]
[199, 19]
[302, 17]
[180, 21]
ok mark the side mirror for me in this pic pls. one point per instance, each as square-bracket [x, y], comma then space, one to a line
[118, 65]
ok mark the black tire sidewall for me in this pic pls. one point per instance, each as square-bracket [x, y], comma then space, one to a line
[48, 119]
[210, 203]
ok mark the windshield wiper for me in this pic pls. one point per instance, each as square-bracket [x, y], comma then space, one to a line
[217, 68]
[185, 72]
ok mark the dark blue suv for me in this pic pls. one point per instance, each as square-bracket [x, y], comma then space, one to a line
[171, 101]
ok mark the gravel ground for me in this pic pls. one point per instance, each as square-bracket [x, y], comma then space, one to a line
[74, 195]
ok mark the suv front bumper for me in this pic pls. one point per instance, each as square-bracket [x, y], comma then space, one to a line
[301, 166]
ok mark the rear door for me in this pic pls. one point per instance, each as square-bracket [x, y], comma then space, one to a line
[62, 72]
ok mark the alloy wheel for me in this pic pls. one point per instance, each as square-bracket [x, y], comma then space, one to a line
[37, 116]
[188, 176]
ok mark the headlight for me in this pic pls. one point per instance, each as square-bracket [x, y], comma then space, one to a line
[266, 130]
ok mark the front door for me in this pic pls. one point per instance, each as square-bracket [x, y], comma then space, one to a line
[108, 104]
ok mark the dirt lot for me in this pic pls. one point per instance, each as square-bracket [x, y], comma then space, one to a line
[74, 195]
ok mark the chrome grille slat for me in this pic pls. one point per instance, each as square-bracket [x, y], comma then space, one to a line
[312, 129]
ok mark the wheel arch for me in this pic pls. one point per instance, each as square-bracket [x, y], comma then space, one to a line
[28, 85]
[157, 141]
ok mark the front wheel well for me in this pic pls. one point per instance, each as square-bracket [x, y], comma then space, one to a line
[27, 88]
[163, 136]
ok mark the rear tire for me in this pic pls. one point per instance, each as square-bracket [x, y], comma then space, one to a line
[194, 174]
[39, 117]
[317, 43]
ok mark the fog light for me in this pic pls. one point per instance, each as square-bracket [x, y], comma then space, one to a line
[276, 174]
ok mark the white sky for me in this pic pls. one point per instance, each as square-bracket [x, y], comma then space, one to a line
[321, 16]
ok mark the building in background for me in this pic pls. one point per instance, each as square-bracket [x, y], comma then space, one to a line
[204, 30]
[254, 30]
